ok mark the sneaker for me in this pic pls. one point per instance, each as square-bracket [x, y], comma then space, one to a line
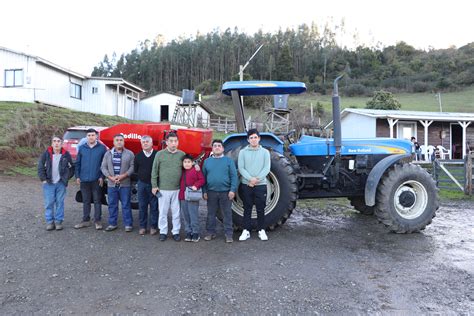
[163, 237]
[98, 226]
[153, 231]
[142, 231]
[262, 235]
[50, 227]
[128, 229]
[59, 225]
[229, 239]
[245, 235]
[176, 237]
[210, 237]
[82, 224]
[189, 237]
[110, 228]
[196, 237]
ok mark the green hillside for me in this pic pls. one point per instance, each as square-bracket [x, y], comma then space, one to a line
[458, 101]
[27, 129]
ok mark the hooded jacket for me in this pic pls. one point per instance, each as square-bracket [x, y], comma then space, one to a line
[45, 166]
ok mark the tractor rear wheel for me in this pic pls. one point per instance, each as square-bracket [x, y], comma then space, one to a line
[358, 202]
[407, 199]
[282, 193]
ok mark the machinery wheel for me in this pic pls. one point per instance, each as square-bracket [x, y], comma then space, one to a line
[407, 199]
[358, 202]
[282, 193]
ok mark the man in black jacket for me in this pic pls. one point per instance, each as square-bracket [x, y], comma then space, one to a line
[55, 168]
[143, 165]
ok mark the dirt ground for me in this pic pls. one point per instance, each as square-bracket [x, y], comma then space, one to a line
[329, 260]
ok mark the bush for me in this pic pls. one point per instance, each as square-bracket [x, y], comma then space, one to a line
[421, 86]
[355, 89]
[383, 100]
[208, 87]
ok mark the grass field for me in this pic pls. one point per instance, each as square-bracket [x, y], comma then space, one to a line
[458, 101]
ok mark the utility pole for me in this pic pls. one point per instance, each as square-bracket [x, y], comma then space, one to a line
[438, 96]
[242, 68]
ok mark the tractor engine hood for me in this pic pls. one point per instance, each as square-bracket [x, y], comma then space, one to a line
[316, 146]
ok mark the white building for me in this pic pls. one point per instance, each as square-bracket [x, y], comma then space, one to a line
[27, 78]
[161, 107]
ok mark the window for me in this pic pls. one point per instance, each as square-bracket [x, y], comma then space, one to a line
[13, 77]
[76, 91]
[95, 90]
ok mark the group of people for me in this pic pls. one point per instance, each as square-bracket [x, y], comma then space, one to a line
[168, 181]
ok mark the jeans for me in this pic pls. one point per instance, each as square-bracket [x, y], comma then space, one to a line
[251, 196]
[169, 200]
[115, 195]
[190, 210]
[145, 198]
[91, 192]
[215, 201]
[54, 194]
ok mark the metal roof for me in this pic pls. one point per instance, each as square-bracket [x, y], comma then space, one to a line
[411, 115]
[263, 87]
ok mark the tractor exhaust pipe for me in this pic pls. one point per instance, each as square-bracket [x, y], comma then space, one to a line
[336, 117]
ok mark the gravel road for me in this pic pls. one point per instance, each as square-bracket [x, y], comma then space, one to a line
[329, 260]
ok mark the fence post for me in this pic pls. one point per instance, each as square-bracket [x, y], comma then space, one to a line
[468, 174]
[226, 129]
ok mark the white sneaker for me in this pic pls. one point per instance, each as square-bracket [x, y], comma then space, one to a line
[262, 235]
[245, 235]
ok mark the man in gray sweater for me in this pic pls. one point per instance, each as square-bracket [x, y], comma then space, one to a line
[117, 167]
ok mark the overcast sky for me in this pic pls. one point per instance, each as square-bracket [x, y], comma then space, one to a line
[77, 34]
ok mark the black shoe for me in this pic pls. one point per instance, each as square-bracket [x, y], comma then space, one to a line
[189, 237]
[162, 237]
[110, 228]
[50, 227]
[176, 237]
[196, 237]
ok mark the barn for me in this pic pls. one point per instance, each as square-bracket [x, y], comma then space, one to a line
[28, 78]
[161, 107]
[453, 131]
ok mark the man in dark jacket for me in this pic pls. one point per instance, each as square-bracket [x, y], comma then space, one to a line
[90, 178]
[143, 164]
[55, 167]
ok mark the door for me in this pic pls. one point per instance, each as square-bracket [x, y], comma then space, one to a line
[406, 130]
[164, 113]
[456, 140]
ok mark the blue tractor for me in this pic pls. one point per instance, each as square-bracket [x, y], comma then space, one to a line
[376, 175]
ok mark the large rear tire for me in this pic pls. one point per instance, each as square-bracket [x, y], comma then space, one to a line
[358, 202]
[407, 199]
[282, 193]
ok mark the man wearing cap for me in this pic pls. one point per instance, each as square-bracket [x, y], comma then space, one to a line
[90, 178]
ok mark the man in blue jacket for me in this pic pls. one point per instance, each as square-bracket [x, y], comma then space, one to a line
[90, 178]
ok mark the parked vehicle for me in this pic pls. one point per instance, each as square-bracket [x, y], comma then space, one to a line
[376, 175]
[73, 136]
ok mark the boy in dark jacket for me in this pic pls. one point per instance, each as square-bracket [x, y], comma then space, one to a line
[190, 209]
[55, 167]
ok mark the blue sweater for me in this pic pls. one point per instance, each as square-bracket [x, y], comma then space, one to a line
[88, 162]
[220, 174]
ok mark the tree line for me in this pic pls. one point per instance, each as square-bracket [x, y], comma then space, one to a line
[306, 53]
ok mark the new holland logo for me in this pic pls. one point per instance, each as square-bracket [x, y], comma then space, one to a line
[132, 136]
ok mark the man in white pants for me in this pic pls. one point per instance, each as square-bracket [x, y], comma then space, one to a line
[165, 178]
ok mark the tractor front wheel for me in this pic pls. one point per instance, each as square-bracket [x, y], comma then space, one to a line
[407, 199]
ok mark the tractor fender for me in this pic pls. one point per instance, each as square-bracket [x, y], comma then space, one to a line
[268, 140]
[376, 174]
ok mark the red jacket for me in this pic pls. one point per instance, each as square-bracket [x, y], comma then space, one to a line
[193, 177]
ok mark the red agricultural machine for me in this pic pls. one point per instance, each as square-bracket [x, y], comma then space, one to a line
[193, 141]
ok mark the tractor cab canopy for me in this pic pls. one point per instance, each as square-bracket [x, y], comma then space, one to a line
[248, 88]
